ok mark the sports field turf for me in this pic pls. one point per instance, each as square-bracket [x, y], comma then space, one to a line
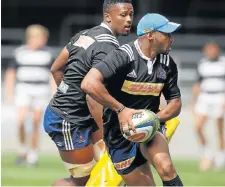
[51, 168]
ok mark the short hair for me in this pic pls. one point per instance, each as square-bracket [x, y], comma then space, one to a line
[108, 3]
[37, 29]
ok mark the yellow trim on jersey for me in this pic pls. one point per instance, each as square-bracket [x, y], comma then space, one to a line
[142, 88]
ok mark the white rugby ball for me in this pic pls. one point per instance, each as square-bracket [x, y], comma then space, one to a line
[146, 124]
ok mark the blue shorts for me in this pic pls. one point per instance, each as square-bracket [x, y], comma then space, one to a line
[126, 159]
[67, 136]
[129, 157]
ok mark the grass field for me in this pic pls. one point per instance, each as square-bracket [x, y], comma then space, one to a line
[51, 168]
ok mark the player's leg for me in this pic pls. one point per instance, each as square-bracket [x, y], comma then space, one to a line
[220, 156]
[157, 153]
[131, 165]
[98, 144]
[22, 102]
[38, 104]
[218, 114]
[75, 148]
[79, 163]
[96, 111]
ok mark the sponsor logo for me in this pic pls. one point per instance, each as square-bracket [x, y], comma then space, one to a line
[124, 164]
[148, 30]
[142, 88]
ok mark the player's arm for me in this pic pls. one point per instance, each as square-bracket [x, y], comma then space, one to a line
[98, 54]
[172, 94]
[10, 79]
[57, 66]
[93, 85]
[196, 88]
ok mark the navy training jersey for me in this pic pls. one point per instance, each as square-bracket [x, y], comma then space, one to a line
[137, 82]
[86, 49]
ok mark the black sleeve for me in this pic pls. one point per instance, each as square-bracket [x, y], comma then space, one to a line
[70, 45]
[113, 62]
[101, 50]
[199, 76]
[171, 89]
[12, 63]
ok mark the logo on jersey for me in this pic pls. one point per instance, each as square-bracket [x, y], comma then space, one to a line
[142, 88]
[84, 42]
[124, 164]
[132, 74]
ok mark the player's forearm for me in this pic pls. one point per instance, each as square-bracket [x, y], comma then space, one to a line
[195, 92]
[172, 110]
[99, 93]
[58, 76]
[10, 77]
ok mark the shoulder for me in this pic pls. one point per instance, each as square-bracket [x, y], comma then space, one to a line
[128, 50]
[166, 61]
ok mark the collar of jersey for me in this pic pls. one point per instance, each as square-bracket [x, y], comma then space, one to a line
[106, 26]
[141, 54]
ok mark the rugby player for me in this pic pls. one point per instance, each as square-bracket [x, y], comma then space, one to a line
[67, 118]
[209, 101]
[28, 73]
[135, 75]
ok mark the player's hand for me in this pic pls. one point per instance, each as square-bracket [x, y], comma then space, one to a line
[125, 120]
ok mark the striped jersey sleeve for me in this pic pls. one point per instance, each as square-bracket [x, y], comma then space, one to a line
[170, 89]
[115, 61]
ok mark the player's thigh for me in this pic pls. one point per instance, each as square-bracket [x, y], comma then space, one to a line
[22, 102]
[131, 165]
[141, 176]
[157, 153]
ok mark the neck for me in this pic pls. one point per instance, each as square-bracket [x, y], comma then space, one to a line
[147, 48]
[111, 29]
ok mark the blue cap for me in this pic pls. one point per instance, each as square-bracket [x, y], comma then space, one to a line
[156, 22]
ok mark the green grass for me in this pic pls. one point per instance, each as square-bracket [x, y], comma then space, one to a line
[51, 168]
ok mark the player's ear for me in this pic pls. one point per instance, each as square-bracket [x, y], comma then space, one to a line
[107, 17]
[150, 36]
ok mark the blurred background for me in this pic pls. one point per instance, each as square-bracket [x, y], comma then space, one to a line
[202, 20]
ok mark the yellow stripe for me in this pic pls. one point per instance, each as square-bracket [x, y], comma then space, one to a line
[142, 88]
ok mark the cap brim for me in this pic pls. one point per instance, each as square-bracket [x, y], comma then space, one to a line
[169, 27]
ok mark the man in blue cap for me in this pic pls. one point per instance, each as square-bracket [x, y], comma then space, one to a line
[136, 75]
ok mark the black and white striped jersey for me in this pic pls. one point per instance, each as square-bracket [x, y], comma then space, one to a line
[211, 75]
[86, 49]
[32, 66]
[137, 82]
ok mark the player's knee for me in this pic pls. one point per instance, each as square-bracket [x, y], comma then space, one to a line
[167, 169]
[80, 170]
[99, 149]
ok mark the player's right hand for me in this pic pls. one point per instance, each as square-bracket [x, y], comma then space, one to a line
[125, 120]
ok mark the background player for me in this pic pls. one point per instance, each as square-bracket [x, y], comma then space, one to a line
[30, 71]
[135, 75]
[67, 119]
[210, 94]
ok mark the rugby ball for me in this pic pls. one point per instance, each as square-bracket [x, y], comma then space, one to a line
[146, 124]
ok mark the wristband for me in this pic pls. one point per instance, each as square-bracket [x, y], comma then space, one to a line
[120, 110]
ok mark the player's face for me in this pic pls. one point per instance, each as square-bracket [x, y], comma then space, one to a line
[162, 42]
[121, 18]
[36, 41]
[212, 51]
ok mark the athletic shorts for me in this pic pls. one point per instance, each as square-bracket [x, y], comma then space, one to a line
[129, 157]
[34, 96]
[67, 136]
[210, 105]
